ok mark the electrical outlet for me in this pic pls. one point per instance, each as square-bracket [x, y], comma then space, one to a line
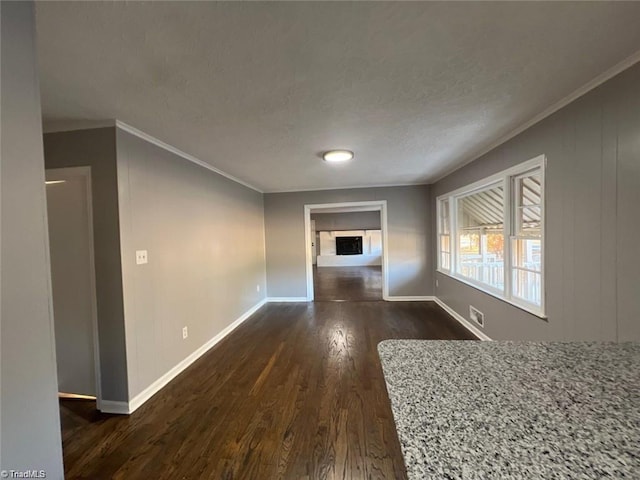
[257, 288]
[141, 257]
[476, 315]
[185, 332]
[437, 284]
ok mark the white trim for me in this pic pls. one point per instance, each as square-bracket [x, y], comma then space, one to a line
[462, 321]
[351, 187]
[543, 236]
[375, 205]
[110, 406]
[538, 161]
[439, 235]
[94, 291]
[286, 299]
[495, 294]
[152, 389]
[346, 210]
[84, 172]
[584, 89]
[505, 177]
[388, 299]
[180, 153]
[385, 248]
[427, 298]
[115, 407]
[592, 84]
[508, 216]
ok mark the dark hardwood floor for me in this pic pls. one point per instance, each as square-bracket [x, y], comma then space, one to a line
[295, 392]
[354, 284]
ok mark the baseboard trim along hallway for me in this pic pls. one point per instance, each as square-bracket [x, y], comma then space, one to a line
[409, 298]
[296, 391]
[462, 321]
[452, 313]
[136, 402]
[287, 299]
[110, 406]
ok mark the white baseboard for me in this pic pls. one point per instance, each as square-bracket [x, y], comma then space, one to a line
[409, 298]
[109, 406]
[463, 321]
[287, 299]
[152, 389]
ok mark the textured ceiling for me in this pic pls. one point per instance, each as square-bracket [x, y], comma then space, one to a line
[259, 89]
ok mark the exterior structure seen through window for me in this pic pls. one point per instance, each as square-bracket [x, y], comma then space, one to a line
[491, 235]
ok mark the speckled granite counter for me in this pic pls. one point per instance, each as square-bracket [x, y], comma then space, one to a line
[509, 410]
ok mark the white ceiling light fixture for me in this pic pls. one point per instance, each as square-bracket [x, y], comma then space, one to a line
[337, 156]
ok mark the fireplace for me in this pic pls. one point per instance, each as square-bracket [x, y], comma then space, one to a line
[348, 245]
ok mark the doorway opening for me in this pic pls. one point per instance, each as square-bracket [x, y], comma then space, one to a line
[346, 251]
[73, 283]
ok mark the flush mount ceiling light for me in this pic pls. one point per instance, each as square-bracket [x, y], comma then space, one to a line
[337, 155]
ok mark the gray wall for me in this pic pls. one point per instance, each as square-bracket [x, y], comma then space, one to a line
[347, 221]
[592, 230]
[409, 217]
[97, 149]
[30, 437]
[205, 240]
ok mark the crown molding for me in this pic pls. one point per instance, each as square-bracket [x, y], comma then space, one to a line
[352, 187]
[584, 89]
[170, 148]
[587, 87]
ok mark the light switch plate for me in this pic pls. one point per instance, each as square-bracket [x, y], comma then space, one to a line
[141, 257]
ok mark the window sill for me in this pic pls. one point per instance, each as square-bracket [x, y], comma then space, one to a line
[533, 311]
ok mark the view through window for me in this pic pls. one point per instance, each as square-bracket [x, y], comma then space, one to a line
[491, 235]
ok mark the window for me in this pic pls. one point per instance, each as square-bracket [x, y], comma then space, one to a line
[526, 238]
[491, 235]
[480, 236]
[444, 236]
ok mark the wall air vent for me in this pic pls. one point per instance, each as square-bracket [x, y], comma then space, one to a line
[476, 315]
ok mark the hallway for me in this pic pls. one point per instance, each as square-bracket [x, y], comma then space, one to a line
[296, 391]
[352, 284]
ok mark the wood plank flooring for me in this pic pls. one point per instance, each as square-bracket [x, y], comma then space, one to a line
[354, 284]
[295, 392]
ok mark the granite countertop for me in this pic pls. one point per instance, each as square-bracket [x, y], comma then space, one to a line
[515, 410]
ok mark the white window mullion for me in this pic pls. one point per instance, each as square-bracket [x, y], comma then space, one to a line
[543, 239]
[439, 233]
[508, 217]
[443, 232]
[453, 230]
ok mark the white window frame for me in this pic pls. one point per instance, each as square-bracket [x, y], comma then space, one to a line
[506, 178]
[440, 234]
